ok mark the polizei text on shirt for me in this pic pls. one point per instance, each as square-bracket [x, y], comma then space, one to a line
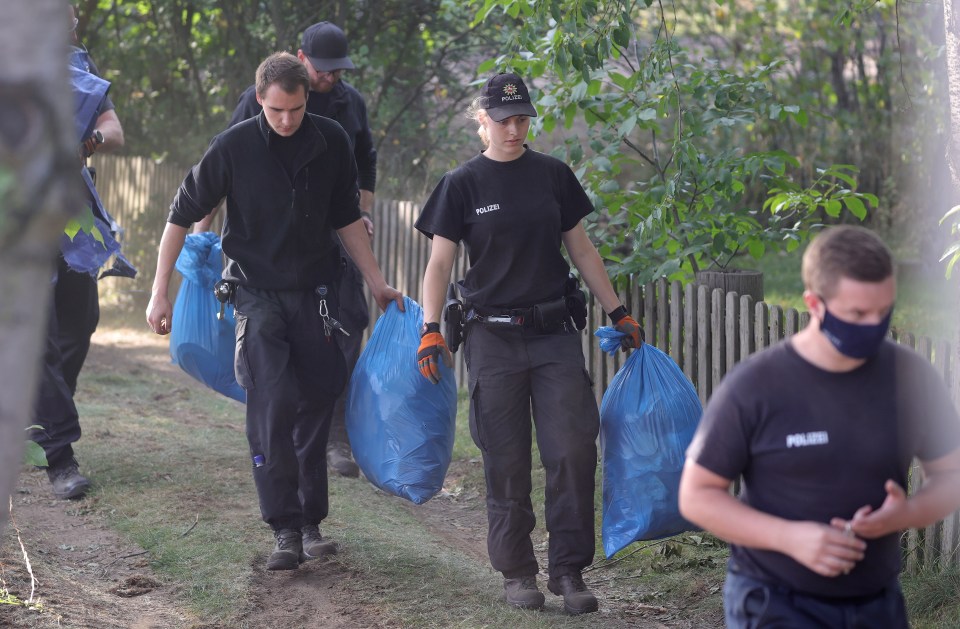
[490, 208]
[803, 439]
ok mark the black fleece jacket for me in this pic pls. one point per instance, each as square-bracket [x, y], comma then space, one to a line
[344, 104]
[277, 234]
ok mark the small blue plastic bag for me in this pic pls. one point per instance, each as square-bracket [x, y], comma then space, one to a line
[647, 419]
[401, 426]
[200, 344]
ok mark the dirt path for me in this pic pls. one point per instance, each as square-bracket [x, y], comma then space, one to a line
[86, 575]
[90, 576]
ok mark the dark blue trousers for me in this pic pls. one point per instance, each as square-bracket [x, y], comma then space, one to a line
[752, 604]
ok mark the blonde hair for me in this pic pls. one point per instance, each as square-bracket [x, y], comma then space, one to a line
[478, 114]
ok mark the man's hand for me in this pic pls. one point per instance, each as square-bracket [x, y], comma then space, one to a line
[432, 350]
[385, 294]
[827, 550]
[368, 224]
[891, 517]
[89, 146]
[159, 314]
[624, 323]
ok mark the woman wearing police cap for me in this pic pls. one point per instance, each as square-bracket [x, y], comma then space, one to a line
[514, 209]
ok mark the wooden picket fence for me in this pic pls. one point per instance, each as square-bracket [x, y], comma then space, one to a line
[706, 332]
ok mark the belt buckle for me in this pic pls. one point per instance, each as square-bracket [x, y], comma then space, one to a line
[503, 319]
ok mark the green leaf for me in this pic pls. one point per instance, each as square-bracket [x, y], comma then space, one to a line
[647, 114]
[486, 66]
[627, 126]
[35, 455]
[856, 207]
[621, 36]
[833, 207]
[950, 212]
[756, 248]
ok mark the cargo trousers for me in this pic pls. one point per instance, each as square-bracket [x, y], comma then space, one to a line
[514, 370]
[292, 373]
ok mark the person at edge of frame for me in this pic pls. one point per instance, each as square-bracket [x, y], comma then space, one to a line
[74, 318]
[323, 52]
[823, 427]
[289, 180]
[514, 208]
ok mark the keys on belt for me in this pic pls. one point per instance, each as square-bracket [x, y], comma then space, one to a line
[329, 323]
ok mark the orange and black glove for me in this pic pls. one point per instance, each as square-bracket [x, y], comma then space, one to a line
[432, 350]
[623, 322]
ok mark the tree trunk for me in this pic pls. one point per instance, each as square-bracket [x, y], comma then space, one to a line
[734, 280]
[37, 173]
[951, 20]
[951, 23]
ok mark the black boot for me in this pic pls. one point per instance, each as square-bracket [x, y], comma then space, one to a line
[577, 599]
[67, 480]
[287, 551]
[340, 460]
[523, 592]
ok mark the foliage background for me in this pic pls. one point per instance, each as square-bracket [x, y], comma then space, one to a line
[856, 82]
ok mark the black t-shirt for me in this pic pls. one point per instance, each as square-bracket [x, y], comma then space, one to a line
[813, 445]
[510, 216]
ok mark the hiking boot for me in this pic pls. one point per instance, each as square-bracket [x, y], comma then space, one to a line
[67, 480]
[340, 460]
[523, 592]
[286, 553]
[577, 599]
[314, 545]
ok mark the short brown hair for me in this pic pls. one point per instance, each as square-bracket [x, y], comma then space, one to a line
[285, 70]
[844, 251]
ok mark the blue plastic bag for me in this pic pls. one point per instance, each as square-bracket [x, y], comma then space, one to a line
[647, 419]
[200, 344]
[401, 426]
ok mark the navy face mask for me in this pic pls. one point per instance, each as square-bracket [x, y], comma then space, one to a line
[855, 340]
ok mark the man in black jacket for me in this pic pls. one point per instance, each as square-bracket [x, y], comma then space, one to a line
[289, 181]
[323, 53]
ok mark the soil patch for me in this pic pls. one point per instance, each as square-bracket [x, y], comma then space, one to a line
[86, 574]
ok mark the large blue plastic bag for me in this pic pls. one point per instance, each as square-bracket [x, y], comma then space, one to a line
[401, 426]
[647, 419]
[200, 344]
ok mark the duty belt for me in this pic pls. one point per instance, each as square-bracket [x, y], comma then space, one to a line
[520, 317]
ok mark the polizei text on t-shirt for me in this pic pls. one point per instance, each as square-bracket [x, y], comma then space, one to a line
[490, 208]
[803, 439]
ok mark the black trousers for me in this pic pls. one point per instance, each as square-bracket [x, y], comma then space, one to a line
[54, 410]
[512, 371]
[293, 374]
[73, 318]
[77, 304]
[355, 318]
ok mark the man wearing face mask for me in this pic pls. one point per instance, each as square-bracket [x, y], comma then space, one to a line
[823, 428]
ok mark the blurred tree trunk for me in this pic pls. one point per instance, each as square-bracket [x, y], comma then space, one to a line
[951, 23]
[37, 172]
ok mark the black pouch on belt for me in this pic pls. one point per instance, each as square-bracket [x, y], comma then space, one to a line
[551, 316]
[576, 302]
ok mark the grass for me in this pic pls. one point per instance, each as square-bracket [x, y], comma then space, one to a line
[170, 461]
[171, 466]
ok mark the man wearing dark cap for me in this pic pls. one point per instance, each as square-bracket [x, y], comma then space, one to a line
[323, 52]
